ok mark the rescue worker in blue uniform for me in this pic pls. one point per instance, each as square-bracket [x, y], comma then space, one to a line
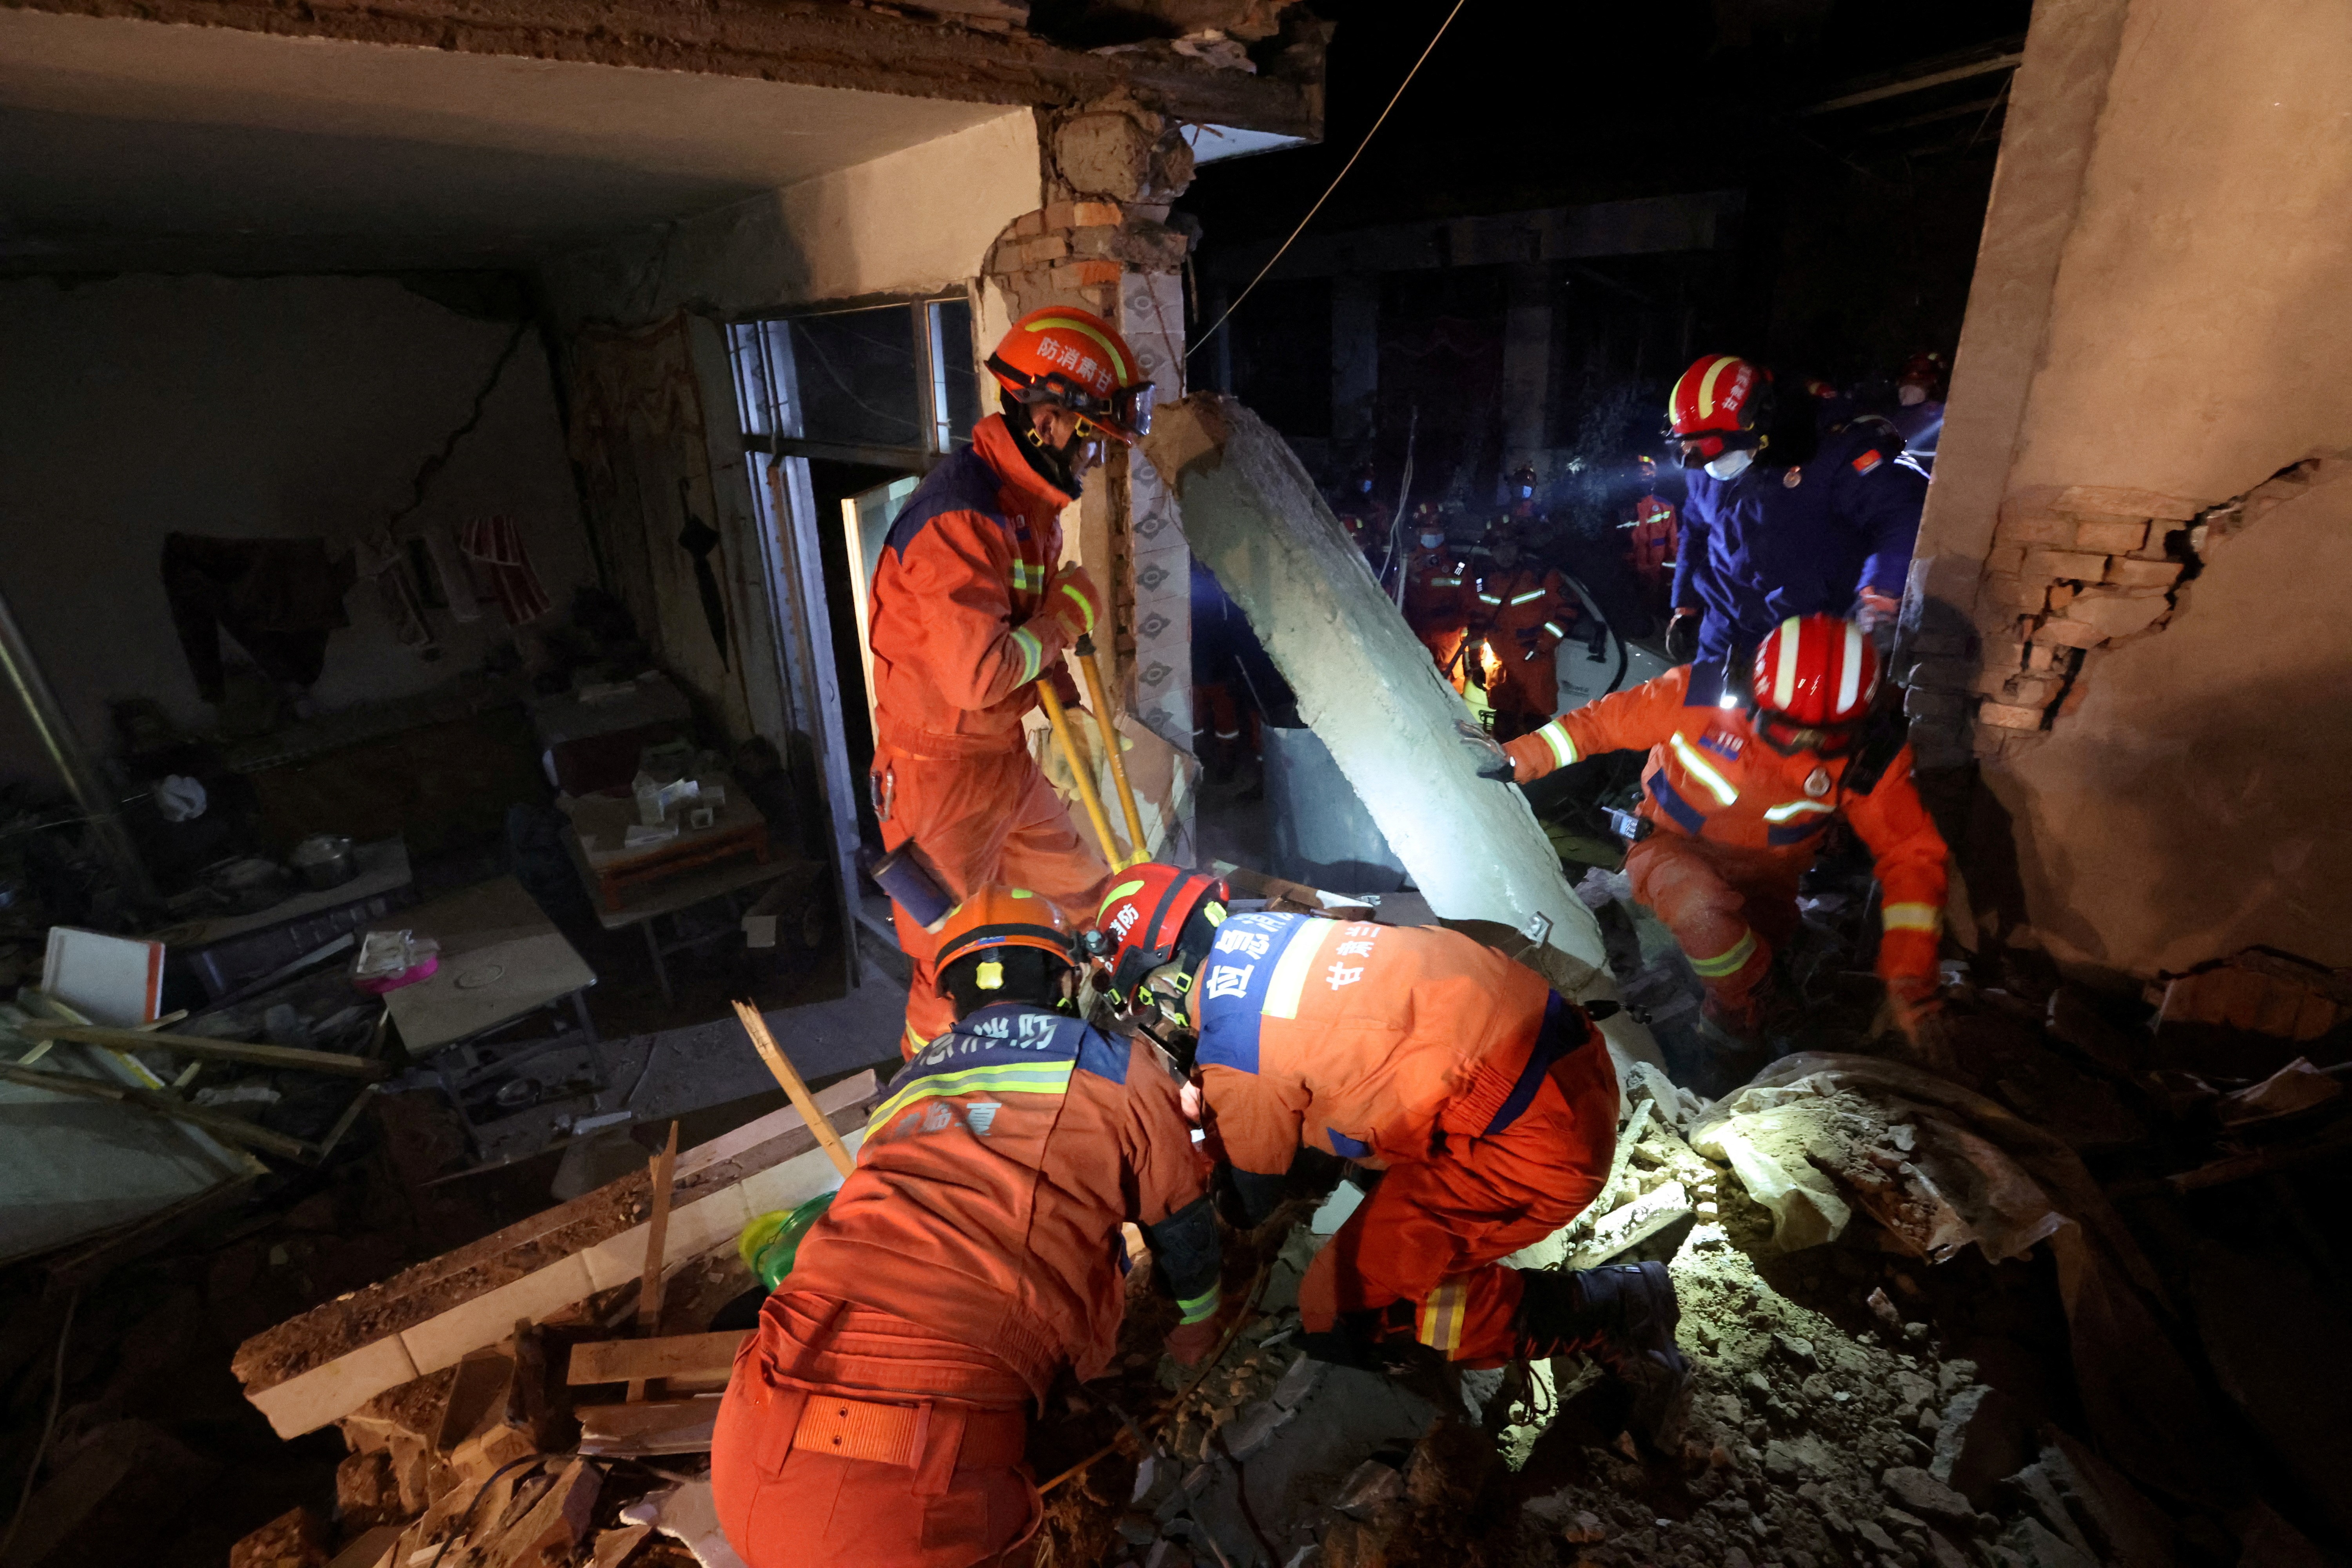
[1764, 540]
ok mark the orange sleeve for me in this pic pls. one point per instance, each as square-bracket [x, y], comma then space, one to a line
[1623, 722]
[1167, 1171]
[957, 572]
[1255, 1119]
[1911, 858]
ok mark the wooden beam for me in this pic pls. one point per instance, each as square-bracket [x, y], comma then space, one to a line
[679, 1355]
[1915, 84]
[816, 44]
[202, 1049]
[794, 1089]
[219, 1124]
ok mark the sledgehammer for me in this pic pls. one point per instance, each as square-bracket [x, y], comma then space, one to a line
[1085, 652]
[1082, 775]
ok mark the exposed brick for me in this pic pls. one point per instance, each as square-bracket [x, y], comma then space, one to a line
[2144, 573]
[2069, 634]
[2005, 559]
[1061, 214]
[1990, 683]
[1085, 272]
[2044, 656]
[1029, 223]
[2072, 565]
[2117, 502]
[2117, 612]
[2034, 528]
[2034, 690]
[2015, 592]
[2115, 537]
[1093, 214]
[1941, 674]
[2008, 717]
[1935, 705]
[2061, 595]
[1046, 247]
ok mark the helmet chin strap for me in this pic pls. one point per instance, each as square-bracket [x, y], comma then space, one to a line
[1053, 464]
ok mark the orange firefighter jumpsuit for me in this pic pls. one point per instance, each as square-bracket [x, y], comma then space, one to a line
[1436, 608]
[876, 1419]
[970, 608]
[1650, 548]
[1732, 824]
[1523, 614]
[1490, 1102]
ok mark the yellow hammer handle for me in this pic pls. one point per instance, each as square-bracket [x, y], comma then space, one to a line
[1079, 771]
[1087, 662]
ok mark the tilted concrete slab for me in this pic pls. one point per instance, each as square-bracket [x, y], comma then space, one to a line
[1367, 686]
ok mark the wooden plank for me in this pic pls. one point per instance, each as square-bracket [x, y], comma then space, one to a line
[678, 1355]
[220, 1124]
[785, 1074]
[650, 1427]
[203, 1049]
[649, 1285]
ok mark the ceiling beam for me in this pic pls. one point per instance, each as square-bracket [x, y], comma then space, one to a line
[802, 41]
[1917, 84]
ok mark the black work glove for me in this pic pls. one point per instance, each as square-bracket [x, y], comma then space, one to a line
[1682, 636]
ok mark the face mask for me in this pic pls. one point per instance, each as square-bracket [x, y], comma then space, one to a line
[1431, 540]
[1732, 464]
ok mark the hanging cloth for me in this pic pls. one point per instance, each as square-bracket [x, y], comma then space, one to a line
[514, 584]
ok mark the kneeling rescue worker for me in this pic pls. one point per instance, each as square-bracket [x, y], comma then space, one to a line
[1736, 796]
[1489, 1100]
[972, 607]
[876, 1419]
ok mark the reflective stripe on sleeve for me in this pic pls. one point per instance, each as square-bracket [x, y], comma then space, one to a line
[1701, 770]
[1563, 749]
[1025, 577]
[1200, 1308]
[1033, 654]
[1084, 609]
[1528, 597]
[1795, 808]
[1914, 917]
[1728, 963]
[1555, 629]
[1488, 599]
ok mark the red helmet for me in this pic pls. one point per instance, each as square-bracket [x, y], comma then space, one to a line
[1002, 917]
[1812, 674]
[1074, 357]
[1719, 404]
[1141, 919]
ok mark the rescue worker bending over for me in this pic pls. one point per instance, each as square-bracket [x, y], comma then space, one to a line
[876, 1419]
[970, 608]
[1735, 799]
[1490, 1102]
[1762, 540]
[1521, 614]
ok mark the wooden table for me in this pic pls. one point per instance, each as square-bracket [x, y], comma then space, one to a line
[645, 902]
[502, 960]
[602, 823]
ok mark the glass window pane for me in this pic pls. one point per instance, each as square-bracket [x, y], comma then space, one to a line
[857, 375]
[955, 328]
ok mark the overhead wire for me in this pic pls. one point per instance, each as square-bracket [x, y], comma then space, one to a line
[1334, 185]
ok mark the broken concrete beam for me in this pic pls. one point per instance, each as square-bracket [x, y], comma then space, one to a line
[1369, 691]
[328, 1362]
[294, 1538]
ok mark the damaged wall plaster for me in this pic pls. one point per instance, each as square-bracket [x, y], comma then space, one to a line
[1367, 689]
[152, 425]
[2189, 801]
[2153, 328]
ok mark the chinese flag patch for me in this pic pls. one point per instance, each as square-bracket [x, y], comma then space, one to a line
[1867, 461]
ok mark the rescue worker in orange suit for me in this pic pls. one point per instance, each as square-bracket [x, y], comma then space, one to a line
[1489, 1101]
[972, 607]
[1652, 534]
[1735, 800]
[1436, 591]
[876, 1417]
[1520, 614]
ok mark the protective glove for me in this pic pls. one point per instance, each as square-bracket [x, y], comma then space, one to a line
[1492, 761]
[1682, 636]
[1873, 611]
[1074, 603]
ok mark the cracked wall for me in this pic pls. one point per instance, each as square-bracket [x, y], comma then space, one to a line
[2146, 374]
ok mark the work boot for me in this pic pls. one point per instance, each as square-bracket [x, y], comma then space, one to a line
[1624, 1315]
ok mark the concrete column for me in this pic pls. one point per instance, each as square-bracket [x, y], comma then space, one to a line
[1526, 364]
[1355, 362]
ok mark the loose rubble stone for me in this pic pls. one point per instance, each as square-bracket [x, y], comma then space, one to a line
[1984, 1434]
[1370, 1485]
[1918, 1492]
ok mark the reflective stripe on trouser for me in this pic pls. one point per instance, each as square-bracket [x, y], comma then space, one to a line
[1434, 1232]
[977, 820]
[1726, 907]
